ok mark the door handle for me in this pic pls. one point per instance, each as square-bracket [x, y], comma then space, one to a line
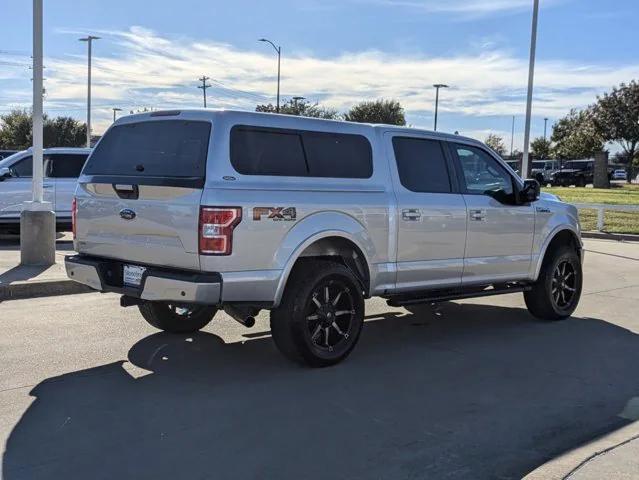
[47, 185]
[411, 214]
[477, 215]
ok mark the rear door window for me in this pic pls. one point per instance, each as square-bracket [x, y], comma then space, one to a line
[300, 153]
[67, 165]
[163, 149]
[421, 165]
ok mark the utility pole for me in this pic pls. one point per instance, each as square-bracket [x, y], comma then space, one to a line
[115, 109]
[89, 39]
[37, 220]
[512, 138]
[531, 78]
[278, 49]
[545, 125]
[204, 86]
[437, 87]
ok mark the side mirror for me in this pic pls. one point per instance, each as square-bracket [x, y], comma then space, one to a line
[530, 192]
[5, 172]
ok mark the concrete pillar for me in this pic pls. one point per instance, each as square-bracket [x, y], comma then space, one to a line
[601, 179]
[37, 237]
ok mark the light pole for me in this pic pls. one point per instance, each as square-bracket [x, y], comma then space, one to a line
[279, 58]
[531, 78]
[512, 138]
[437, 87]
[89, 39]
[37, 220]
[545, 125]
[115, 109]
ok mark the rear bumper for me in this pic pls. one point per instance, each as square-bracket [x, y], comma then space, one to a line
[158, 284]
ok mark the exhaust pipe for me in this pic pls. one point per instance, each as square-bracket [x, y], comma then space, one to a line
[243, 315]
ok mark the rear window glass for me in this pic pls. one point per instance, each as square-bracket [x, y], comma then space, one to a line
[166, 148]
[300, 153]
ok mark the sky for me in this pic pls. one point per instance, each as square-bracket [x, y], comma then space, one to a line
[335, 52]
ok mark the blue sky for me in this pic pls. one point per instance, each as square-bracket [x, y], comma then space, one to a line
[337, 52]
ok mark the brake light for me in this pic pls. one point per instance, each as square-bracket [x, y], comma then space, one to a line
[74, 214]
[216, 229]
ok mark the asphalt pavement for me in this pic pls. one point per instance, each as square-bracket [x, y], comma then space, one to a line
[476, 389]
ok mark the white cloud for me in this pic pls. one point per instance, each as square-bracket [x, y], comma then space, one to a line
[154, 71]
[466, 8]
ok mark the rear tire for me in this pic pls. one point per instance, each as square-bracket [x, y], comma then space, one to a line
[177, 318]
[321, 314]
[556, 293]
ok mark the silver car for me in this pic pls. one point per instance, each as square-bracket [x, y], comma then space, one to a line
[184, 213]
[62, 167]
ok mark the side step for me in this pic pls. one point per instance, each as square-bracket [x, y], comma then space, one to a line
[434, 296]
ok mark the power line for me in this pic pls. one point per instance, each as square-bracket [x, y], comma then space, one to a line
[204, 86]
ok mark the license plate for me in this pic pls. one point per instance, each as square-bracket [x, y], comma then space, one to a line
[132, 276]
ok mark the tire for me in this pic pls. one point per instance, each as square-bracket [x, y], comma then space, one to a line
[321, 314]
[177, 318]
[581, 182]
[556, 293]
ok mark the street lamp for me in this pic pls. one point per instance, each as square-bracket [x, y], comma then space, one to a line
[37, 219]
[531, 78]
[437, 87]
[115, 109]
[545, 126]
[279, 58]
[89, 39]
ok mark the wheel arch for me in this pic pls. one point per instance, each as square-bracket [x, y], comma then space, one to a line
[562, 235]
[348, 242]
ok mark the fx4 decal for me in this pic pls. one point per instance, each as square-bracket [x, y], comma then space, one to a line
[277, 214]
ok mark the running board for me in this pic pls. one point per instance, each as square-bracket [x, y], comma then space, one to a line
[401, 300]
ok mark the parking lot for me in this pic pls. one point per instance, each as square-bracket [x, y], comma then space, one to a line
[471, 389]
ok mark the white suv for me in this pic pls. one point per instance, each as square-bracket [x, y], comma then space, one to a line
[62, 166]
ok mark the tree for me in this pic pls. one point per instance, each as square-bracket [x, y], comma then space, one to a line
[616, 117]
[300, 108]
[389, 112]
[540, 148]
[496, 142]
[16, 131]
[576, 136]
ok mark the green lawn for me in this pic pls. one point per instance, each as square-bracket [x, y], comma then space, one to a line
[614, 222]
[623, 195]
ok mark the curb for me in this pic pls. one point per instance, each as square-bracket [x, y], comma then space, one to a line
[564, 466]
[619, 237]
[35, 289]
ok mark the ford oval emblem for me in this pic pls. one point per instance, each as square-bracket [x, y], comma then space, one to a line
[127, 214]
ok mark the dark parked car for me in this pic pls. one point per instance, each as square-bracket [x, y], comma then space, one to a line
[576, 172]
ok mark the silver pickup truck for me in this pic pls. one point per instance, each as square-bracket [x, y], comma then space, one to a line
[184, 213]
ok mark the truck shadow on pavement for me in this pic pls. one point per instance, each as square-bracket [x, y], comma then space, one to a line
[466, 391]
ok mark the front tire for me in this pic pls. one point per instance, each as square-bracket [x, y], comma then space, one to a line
[321, 314]
[177, 318]
[556, 293]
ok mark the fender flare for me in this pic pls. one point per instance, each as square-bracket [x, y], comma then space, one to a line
[556, 231]
[297, 252]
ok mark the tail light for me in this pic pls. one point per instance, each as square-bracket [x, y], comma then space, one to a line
[216, 229]
[74, 215]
